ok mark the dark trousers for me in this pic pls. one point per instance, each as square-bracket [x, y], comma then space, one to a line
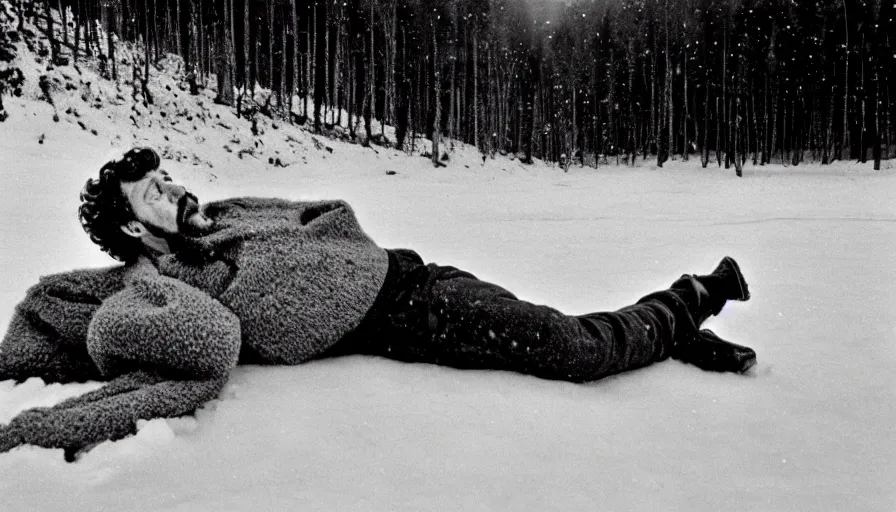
[442, 315]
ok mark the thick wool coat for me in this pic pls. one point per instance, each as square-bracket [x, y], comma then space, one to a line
[286, 280]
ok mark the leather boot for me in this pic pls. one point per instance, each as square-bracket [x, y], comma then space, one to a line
[728, 280]
[725, 283]
[710, 352]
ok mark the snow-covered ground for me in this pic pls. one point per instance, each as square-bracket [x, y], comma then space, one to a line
[810, 428]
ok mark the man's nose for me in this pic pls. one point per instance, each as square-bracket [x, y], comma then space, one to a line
[174, 191]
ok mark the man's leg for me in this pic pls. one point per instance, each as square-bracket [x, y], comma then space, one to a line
[443, 315]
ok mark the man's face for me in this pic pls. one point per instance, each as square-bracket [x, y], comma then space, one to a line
[156, 201]
[164, 211]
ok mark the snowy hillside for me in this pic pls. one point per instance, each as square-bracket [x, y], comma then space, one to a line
[810, 428]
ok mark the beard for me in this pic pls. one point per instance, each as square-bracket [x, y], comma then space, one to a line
[187, 228]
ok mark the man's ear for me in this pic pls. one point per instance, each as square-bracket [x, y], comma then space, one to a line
[134, 228]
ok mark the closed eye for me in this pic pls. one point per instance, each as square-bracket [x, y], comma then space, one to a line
[153, 191]
[157, 191]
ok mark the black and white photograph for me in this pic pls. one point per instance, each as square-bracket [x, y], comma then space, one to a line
[448, 255]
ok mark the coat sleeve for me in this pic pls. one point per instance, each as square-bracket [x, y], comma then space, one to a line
[168, 348]
[108, 413]
[33, 349]
[47, 335]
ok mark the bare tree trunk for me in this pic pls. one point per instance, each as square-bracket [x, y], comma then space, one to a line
[54, 45]
[248, 76]
[493, 101]
[725, 120]
[193, 47]
[461, 96]
[632, 145]
[845, 144]
[270, 12]
[177, 33]
[318, 67]
[754, 129]
[611, 102]
[147, 97]
[328, 86]
[452, 52]
[369, 99]
[738, 163]
[775, 126]
[877, 127]
[111, 30]
[77, 14]
[718, 133]
[63, 11]
[826, 155]
[784, 141]
[738, 149]
[231, 43]
[686, 115]
[155, 29]
[167, 37]
[795, 142]
[705, 158]
[201, 48]
[92, 25]
[764, 158]
[571, 147]
[223, 61]
[337, 69]
[670, 146]
[85, 24]
[243, 82]
[283, 92]
[476, 88]
[309, 48]
[889, 103]
[863, 155]
[393, 57]
[352, 88]
[436, 91]
[372, 72]
[296, 63]
[653, 94]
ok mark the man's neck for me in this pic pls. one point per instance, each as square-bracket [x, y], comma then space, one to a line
[156, 246]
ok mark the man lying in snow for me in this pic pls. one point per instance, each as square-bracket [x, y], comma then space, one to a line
[270, 281]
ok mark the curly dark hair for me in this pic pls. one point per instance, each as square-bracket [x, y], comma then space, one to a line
[104, 208]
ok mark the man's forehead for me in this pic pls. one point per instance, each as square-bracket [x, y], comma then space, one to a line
[130, 187]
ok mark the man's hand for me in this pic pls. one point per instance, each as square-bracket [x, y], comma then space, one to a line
[10, 437]
[13, 435]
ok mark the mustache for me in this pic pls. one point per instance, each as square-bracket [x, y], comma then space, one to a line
[187, 205]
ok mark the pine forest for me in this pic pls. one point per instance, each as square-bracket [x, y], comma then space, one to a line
[582, 83]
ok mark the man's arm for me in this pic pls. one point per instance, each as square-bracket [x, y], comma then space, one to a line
[108, 413]
[31, 348]
[170, 348]
[160, 323]
[47, 335]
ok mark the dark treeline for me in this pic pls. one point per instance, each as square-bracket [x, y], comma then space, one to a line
[721, 80]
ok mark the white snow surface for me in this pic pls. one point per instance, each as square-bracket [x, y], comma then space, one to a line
[811, 427]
